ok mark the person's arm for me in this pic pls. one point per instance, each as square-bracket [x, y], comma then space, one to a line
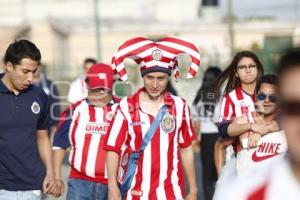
[44, 148]
[268, 128]
[58, 157]
[112, 160]
[197, 142]
[115, 139]
[235, 129]
[187, 157]
[220, 152]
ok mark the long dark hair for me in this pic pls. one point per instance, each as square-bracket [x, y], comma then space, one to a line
[229, 72]
[210, 76]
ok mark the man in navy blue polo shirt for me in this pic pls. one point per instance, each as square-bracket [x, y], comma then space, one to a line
[26, 165]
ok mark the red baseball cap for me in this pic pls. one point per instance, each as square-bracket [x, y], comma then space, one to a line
[100, 75]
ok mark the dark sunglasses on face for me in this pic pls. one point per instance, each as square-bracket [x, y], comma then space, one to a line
[262, 96]
[291, 107]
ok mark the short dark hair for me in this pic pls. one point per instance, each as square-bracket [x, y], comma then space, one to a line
[90, 60]
[271, 79]
[21, 49]
[289, 61]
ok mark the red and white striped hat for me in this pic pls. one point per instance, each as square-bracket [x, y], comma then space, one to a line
[155, 56]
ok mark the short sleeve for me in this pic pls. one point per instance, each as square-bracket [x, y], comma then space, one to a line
[43, 123]
[117, 132]
[61, 136]
[227, 112]
[186, 133]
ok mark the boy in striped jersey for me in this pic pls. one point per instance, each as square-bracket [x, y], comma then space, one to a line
[83, 127]
[159, 173]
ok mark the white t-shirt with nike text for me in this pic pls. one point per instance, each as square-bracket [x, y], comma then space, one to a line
[271, 146]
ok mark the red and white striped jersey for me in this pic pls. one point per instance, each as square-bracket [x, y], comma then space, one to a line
[83, 127]
[275, 181]
[159, 172]
[236, 104]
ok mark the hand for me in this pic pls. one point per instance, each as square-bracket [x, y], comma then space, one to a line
[259, 128]
[49, 183]
[59, 190]
[114, 192]
[191, 196]
[241, 120]
[253, 140]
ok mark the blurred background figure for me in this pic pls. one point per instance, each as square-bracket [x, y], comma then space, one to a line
[78, 89]
[170, 88]
[204, 121]
[51, 90]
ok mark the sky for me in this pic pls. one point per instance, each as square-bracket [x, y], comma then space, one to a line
[283, 9]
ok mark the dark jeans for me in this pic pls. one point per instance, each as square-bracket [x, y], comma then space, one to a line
[86, 190]
[208, 164]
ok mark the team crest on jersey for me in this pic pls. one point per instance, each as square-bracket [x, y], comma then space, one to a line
[124, 159]
[157, 54]
[168, 123]
[109, 115]
[35, 107]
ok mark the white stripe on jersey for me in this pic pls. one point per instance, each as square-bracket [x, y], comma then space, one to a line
[245, 101]
[115, 129]
[92, 156]
[163, 151]
[93, 148]
[80, 134]
[147, 154]
[84, 155]
[137, 125]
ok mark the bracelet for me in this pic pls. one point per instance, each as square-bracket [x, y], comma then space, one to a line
[59, 180]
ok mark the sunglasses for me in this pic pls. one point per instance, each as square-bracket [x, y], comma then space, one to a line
[291, 108]
[262, 96]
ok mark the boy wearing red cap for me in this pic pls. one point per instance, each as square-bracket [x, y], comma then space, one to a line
[154, 125]
[83, 127]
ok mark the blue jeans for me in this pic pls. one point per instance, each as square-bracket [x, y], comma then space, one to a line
[20, 195]
[86, 190]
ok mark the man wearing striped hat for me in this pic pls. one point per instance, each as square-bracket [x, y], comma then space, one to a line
[153, 126]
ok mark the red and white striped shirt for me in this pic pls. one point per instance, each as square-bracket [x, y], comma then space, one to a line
[83, 127]
[159, 172]
[236, 104]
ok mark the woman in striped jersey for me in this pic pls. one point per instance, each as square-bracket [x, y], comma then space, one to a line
[242, 74]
